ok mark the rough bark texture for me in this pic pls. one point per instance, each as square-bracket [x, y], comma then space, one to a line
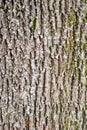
[43, 64]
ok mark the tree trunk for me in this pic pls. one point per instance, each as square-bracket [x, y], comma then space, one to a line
[43, 64]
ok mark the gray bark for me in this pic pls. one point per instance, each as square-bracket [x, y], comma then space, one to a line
[43, 65]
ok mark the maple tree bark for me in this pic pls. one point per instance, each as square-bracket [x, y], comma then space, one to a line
[43, 64]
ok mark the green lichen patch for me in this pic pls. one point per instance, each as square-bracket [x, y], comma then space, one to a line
[66, 124]
[85, 73]
[33, 25]
[5, 17]
[86, 105]
[26, 118]
[71, 18]
[84, 44]
[85, 16]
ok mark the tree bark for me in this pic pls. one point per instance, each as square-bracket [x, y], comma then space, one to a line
[43, 64]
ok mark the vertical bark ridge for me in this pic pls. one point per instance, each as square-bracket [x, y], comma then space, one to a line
[43, 62]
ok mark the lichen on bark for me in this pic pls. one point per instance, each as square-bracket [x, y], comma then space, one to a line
[43, 65]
